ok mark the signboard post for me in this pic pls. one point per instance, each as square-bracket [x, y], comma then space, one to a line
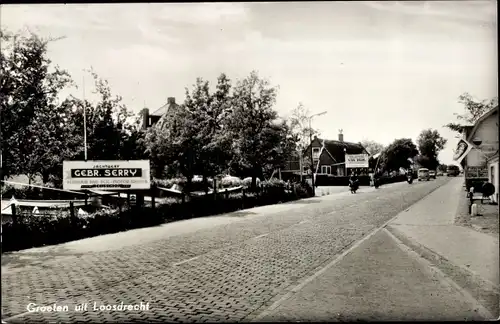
[356, 161]
[106, 175]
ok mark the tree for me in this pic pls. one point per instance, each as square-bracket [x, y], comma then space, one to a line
[251, 120]
[442, 167]
[210, 112]
[372, 147]
[397, 154]
[430, 143]
[299, 127]
[33, 126]
[196, 139]
[473, 110]
[111, 130]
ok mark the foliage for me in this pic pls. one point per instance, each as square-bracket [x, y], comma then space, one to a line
[397, 154]
[195, 139]
[430, 143]
[473, 110]
[260, 142]
[442, 168]
[372, 147]
[33, 127]
[299, 124]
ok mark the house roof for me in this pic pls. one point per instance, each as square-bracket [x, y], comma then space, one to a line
[493, 158]
[480, 121]
[165, 108]
[160, 111]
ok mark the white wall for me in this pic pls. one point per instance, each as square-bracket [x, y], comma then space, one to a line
[493, 178]
[488, 133]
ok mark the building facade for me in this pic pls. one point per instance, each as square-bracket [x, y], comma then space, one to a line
[328, 157]
[482, 160]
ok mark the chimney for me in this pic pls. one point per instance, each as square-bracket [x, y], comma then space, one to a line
[341, 136]
[171, 100]
[145, 118]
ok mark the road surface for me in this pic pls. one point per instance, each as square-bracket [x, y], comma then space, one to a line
[226, 268]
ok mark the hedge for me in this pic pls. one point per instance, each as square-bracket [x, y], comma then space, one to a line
[45, 229]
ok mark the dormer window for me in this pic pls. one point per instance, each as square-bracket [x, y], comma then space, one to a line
[315, 152]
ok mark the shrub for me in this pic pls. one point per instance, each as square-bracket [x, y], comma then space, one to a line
[224, 183]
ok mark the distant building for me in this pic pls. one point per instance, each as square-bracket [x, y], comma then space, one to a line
[150, 119]
[328, 156]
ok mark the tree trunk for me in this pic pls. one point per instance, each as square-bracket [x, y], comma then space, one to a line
[205, 184]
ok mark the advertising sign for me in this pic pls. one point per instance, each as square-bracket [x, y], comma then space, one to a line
[117, 175]
[463, 148]
[356, 160]
[476, 172]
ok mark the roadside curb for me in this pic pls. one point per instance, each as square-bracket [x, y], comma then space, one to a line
[485, 293]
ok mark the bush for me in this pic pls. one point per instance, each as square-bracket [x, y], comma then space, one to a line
[230, 184]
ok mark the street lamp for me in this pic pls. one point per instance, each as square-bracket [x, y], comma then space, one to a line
[310, 141]
[84, 120]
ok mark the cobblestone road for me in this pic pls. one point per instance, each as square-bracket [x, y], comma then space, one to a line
[228, 272]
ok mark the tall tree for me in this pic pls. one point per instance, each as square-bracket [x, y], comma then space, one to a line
[196, 139]
[252, 116]
[473, 110]
[33, 129]
[209, 111]
[372, 147]
[430, 143]
[397, 154]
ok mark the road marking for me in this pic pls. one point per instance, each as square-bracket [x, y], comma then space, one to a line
[185, 261]
[262, 235]
[429, 267]
[337, 259]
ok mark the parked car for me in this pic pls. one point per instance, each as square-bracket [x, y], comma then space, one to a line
[423, 174]
[432, 174]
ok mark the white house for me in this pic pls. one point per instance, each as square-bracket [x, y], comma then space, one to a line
[493, 175]
[483, 158]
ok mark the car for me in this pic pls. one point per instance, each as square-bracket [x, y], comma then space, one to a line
[432, 174]
[423, 174]
[439, 174]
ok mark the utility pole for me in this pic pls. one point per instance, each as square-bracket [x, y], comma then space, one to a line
[84, 120]
[312, 160]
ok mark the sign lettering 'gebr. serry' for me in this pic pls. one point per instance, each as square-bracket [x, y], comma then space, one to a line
[78, 175]
[113, 173]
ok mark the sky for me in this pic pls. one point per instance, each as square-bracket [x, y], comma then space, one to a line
[381, 70]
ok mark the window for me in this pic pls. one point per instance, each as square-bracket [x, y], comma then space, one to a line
[316, 153]
[326, 169]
